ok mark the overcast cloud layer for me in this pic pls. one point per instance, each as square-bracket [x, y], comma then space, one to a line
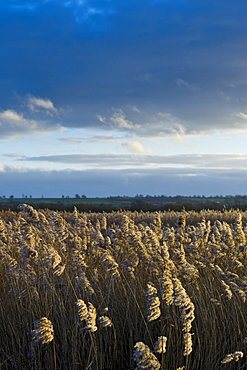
[86, 83]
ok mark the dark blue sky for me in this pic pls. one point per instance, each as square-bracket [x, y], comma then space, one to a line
[105, 78]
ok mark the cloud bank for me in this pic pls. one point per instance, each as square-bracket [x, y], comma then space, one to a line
[102, 183]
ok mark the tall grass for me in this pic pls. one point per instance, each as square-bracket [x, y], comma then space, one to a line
[123, 290]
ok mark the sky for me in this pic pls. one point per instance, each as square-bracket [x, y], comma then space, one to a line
[119, 97]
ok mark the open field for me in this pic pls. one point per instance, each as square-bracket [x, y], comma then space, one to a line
[139, 202]
[123, 290]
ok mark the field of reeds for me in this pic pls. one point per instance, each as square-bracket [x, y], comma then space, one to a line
[123, 290]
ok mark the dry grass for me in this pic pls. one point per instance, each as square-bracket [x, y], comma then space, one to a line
[123, 290]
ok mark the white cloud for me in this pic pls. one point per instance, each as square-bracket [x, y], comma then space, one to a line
[18, 123]
[135, 109]
[241, 115]
[101, 118]
[138, 160]
[95, 139]
[13, 168]
[10, 118]
[135, 147]
[167, 125]
[45, 105]
[182, 83]
[161, 124]
[118, 119]
[14, 125]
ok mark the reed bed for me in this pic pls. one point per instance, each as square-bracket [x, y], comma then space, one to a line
[123, 290]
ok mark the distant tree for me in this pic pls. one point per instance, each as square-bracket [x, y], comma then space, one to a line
[11, 197]
[62, 196]
[83, 196]
[77, 196]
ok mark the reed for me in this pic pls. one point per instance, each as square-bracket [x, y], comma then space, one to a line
[123, 290]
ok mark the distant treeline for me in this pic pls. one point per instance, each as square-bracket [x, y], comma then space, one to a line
[137, 203]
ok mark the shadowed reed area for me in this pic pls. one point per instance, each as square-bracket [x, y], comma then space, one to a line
[123, 290]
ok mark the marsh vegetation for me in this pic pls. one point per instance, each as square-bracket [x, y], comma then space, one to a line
[123, 290]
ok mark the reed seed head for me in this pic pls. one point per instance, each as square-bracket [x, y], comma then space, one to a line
[43, 332]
